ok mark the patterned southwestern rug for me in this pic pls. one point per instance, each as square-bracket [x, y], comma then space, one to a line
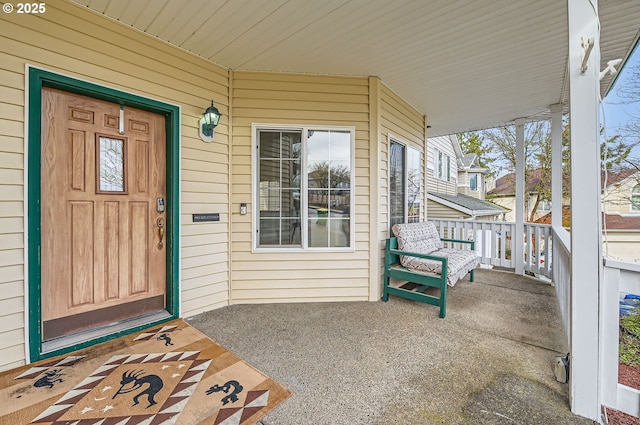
[170, 374]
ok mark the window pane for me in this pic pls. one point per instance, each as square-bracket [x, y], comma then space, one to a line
[269, 144]
[341, 233]
[270, 172]
[291, 143]
[290, 231]
[340, 201]
[318, 145]
[339, 174]
[290, 206]
[111, 168]
[447, 163]
[397, 171]
[318, 230]
[473, 182]
[414, 185]
[319, 199]
[279, 187]
[269, 231]
[327, 202]
[341, 146]
[318, 174]
[269, 202]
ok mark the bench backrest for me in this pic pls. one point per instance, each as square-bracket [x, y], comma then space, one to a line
[417, 237]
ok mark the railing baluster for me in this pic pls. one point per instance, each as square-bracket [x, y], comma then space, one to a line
[494, 242]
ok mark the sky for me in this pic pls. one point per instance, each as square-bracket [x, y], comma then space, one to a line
[614, 113]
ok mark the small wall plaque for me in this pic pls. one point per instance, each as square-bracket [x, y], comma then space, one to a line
[206, 217]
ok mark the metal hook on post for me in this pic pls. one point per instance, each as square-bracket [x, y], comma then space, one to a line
[587, 46]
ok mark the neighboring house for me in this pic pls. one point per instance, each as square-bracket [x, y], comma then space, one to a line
[620, 234]
[621, 195]
[455, 183]
[471, 177]
[504, 194]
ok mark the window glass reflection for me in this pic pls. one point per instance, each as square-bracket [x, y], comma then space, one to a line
[111, 165]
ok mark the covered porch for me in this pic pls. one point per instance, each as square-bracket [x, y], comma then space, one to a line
[488, 362]
[379, 71]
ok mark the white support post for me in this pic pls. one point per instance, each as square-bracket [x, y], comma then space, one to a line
[556, 164]
[586, 244]
[517, 247]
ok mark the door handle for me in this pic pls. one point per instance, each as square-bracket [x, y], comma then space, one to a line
[160, 224]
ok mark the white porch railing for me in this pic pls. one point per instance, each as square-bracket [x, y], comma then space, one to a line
[619, 278]
[493, 245]
[561, 259]
[494, 242]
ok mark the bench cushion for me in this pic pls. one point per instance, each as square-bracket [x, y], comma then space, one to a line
[459, 263]
[423, 238]
[417, 237]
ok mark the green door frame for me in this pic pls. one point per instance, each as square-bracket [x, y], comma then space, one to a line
[37, 79]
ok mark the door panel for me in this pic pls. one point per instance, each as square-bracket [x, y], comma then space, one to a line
[101, 260]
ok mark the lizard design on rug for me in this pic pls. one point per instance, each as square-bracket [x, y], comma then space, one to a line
[50, 378]
[233, 397]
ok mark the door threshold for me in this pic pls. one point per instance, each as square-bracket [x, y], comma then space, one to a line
[102, 331]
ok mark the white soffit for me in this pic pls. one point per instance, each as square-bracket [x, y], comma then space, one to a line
[465, 64]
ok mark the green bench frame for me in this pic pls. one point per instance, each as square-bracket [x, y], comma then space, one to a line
[393, 269]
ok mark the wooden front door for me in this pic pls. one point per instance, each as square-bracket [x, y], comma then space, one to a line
[103, 225]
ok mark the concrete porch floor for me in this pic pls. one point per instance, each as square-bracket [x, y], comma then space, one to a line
[490, 361]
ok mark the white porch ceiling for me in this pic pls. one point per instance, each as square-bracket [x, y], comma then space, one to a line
[465, 64]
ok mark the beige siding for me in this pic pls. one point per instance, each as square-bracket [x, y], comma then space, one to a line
[622, 245]
[436, 210]
[71, 40]
[262, 277]
[617, 198]
[403, 122]
[443, 144]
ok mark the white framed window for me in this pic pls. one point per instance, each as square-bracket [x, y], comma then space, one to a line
[473, 181]
[442, 169]
[303, 186]
[544, 205]
[635, 198]
[406, 195]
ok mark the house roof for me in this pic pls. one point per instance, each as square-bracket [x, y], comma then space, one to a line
[506, 185]
[466, 65]
[612, 221]
[617, 176]
[469, 159]
[467, 204]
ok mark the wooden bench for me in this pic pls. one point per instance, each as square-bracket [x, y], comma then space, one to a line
[425, 262]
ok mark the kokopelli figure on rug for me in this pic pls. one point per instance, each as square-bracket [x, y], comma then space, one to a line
[131, 376]
[50, 378]
[233, 397]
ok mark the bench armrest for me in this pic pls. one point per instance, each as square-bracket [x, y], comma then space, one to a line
[472, 243]
[443, 260]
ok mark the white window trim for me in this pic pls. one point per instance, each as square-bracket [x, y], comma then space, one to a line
[304, 216]
[631, 203]
[436, 166]
[391, 138]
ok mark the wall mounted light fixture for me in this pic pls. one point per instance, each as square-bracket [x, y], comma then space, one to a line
[208, 123]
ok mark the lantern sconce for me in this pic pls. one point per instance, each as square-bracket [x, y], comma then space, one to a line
[208, 123]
